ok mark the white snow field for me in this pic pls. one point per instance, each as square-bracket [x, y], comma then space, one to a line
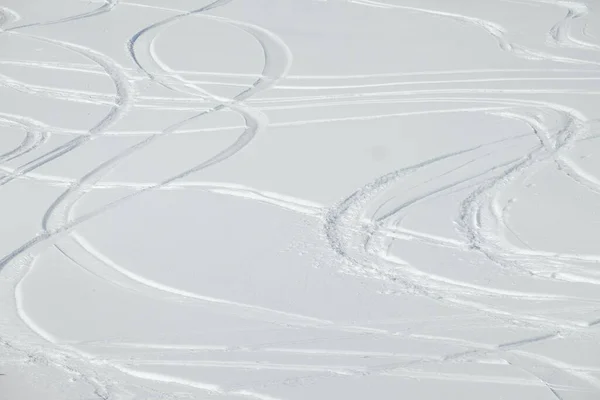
[300, 199]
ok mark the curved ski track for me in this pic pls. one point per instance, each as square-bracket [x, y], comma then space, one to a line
[360, 238]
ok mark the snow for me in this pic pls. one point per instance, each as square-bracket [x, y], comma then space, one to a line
[299, 199]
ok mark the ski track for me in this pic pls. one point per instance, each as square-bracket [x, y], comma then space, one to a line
[360, 239]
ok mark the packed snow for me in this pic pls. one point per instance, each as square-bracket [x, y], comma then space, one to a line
[300, 199]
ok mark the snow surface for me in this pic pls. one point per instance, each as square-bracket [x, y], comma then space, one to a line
[300, 199]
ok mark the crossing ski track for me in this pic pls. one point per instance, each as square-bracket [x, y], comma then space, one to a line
[432, 268]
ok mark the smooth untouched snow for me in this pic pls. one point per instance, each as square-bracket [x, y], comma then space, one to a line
[300, 199]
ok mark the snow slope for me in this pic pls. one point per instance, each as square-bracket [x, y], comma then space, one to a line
[299, 199]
